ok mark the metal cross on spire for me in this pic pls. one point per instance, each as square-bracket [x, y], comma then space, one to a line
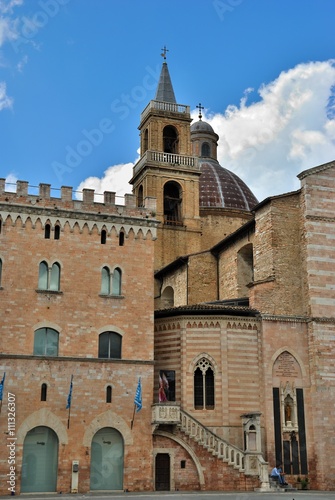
[165, 50]
[200, 108]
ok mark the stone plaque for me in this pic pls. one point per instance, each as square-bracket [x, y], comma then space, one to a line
[286, 366]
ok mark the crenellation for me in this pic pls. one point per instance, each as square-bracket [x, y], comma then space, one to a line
[109, 198]
[22, 188]
[88, 195]
[87, 207]
[66, 193]
[44, 190]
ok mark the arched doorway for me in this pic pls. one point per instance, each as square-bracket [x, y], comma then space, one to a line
[107, 453]
[40, 461]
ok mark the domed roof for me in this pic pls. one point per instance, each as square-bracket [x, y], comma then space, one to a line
[201, 126]
[220, 187]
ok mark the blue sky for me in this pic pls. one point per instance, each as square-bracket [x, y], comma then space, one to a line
[76, 74]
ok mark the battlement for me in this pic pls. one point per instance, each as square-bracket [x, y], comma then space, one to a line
[90, 200]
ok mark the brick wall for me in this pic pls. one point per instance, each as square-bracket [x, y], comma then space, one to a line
[277, 257]
[79, 313]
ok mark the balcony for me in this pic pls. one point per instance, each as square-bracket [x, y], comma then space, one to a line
[165, 413]
[170, 107]
[158, 158]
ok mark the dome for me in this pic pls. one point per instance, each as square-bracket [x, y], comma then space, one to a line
[220, 187]
[201, 126]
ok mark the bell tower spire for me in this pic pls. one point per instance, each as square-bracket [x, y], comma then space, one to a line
[168, 172]
[165, 92]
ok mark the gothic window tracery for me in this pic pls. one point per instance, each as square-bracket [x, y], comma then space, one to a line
[204, 385]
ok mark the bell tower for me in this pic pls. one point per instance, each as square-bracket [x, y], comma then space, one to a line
[169, 172]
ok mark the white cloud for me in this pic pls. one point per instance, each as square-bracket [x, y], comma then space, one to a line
[8, 23]
[5, 101]
[268, 142]
[115, 178]
[10, 183]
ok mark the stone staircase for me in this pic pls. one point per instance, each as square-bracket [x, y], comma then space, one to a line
[214, 444]
[275, 486]
[249, 464]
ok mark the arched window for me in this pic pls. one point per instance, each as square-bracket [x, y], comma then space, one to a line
[103, 237]
[121, 238]
[105, 281]
[116, 281]
[205, 150]
[203, 385]
[46, 342]
[43, 276]
[55, 277]
[168, 297]
[140, 197]
[110, 344]
[49, 278]
[57, 232]
[44, 389]
[170, 139]
[172, 203]
[47, 231]
[109, 394]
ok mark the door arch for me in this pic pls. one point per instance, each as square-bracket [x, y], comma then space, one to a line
[40, 461]
[107, 456]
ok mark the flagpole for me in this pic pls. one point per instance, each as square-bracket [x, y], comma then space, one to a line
[68, 418]
[132, 420]
[2, 384]
[137, 401]
[69, 398]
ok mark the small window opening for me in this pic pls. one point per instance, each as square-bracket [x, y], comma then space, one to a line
[205, 150]
[103, 237]
[183, 464]
[121, 239]
[145, 141]
[44, 389]
[0, 225]
[140, 197]
[57, 232]
[109, 394]
[47, 230]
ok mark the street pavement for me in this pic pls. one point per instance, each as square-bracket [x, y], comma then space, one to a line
[176, 495]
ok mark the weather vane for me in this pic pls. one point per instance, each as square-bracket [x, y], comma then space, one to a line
[165, 50]
[200, 108]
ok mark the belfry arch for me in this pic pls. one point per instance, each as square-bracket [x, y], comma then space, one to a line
[172, 203]
[170, 140]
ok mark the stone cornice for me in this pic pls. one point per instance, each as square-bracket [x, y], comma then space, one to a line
[319, 218]
[77, 359]
[283, 318]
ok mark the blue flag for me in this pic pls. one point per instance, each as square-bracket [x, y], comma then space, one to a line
[138, 396]
[68, 405]
[2, 383]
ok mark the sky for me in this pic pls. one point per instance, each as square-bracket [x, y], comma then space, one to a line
[75, 76]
